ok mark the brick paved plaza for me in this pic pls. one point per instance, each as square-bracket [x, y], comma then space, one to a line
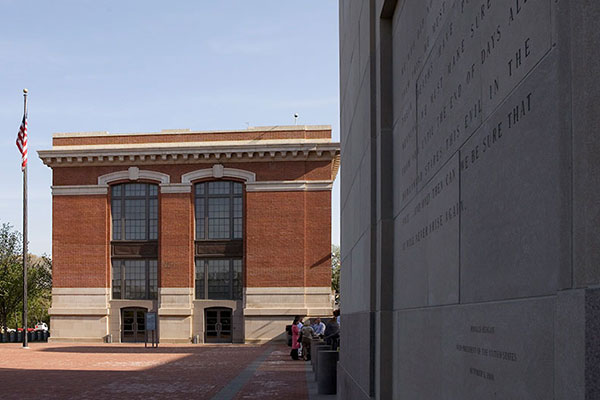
[119, 371]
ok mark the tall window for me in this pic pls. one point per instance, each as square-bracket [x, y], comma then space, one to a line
[219, 278]
[134, 208]
[134, 279]
[219, 210]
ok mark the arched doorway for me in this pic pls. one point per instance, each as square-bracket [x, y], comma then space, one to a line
[133, 324]
[217, 326]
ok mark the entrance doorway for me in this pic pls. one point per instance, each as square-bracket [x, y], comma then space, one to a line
[218, 325]
[133, 324]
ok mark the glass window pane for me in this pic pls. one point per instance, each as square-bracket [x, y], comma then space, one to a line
[218, 207]
[135, 189]
[219, 210]
[200, 278]
[218, 217]
[200, 204]
[237, 228]
[221, 187]
[116, 279]
[152, 219]
[117, 229]
[153, 208]
[153, 229]
[115, 210]
[153, 279]
[135, 219]
[139, 211]
[135, 229]
[135, 209]
[116, 190]
[135, 279]
[237, 206]
[218, 228]
[200, 228]
[218, 279]
[218, 274]
[237, 279]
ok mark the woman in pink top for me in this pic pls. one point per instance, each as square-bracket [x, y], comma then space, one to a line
[295, 343]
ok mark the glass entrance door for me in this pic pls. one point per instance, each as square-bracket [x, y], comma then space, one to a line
[217, 325]
[133, 324]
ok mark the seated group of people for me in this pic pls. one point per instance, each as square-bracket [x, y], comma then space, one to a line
[303, 334]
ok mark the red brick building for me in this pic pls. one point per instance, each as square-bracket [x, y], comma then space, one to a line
[225, 235]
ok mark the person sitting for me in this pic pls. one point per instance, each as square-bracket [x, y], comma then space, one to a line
[319, 327]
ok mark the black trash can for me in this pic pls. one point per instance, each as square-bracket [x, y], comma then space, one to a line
[30, 336]
[20, 337]
[2, 338]
[327, 371]
[12, 337]
[45, 335]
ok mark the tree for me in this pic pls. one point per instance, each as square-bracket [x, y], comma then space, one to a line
[11, 280]
[39, 281]
[336, 265]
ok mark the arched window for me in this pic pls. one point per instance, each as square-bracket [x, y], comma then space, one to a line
[219, 210]
[219, 214]
[134, 211]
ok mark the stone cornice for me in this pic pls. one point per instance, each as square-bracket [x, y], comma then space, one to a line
[175, 188]
[288, 186]
[279, 128]
[85, 156]
[79, 190]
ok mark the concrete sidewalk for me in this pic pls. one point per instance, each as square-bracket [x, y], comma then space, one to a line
[129, 371]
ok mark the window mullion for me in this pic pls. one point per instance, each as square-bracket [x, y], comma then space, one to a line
[205, 261]
[231, 210]
[146, 264]
[147, 234]
[231, 279]
[122, 216]
[206, 212]
[123, 291]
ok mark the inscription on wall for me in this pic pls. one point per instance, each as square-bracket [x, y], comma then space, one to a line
[421, 25]
[485, 351]
[482, 52]
[427, 243]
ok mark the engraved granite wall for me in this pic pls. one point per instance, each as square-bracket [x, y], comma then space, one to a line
[470, 187]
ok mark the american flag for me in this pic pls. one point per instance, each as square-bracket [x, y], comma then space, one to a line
[22, 142]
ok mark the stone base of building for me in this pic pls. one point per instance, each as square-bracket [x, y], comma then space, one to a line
[75, 340]
[88, 314]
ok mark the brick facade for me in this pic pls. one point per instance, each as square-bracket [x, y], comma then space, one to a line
[286, 175]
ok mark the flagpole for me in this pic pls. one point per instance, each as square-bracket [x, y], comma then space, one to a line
[25, 346]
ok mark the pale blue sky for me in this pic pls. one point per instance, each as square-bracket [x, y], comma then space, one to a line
[139, 66]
